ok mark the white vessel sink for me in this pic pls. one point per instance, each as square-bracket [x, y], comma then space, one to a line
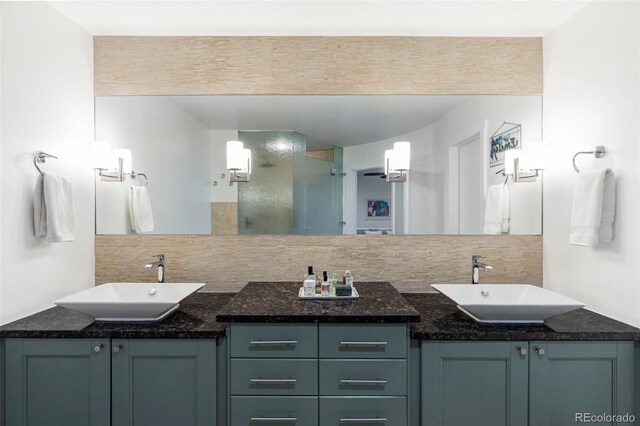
[129, 301]
[507, 303]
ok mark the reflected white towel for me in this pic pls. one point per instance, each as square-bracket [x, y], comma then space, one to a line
[53, 216]
[593, 210]
[497, 210]
[506, 209]
[140, 211]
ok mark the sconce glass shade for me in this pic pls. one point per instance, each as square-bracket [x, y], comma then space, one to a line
[401, 156]
[236, 157]
[125, 154]
[246, 156]
[534, 156]
[509, 160]
[388, 160]
[101, 156]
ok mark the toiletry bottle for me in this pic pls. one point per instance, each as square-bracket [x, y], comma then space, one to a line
[348, 278]
[309, 284]
[318, 284]
[334, 283]
[326, 284]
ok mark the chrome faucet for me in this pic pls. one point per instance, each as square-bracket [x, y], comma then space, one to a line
[476, 266]
[160, 264]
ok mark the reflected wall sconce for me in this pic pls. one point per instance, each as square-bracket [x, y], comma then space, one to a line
[238, 162]
[527, 165]
[103, 162]
[397, 162]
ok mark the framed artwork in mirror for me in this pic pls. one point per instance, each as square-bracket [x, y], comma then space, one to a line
[378, 209]
[508, 136]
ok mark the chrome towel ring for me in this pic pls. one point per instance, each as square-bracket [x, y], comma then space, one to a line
[598, 153]
[135, 175]
[39, 158]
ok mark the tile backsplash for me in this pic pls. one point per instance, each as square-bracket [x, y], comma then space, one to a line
[410, 263]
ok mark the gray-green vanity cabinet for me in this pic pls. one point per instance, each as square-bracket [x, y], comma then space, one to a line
[580, 377]
[273, 374]
[318, 374]
[163, 382]
[524, 383]
[62, 382]
[118, 382]
[474, 383]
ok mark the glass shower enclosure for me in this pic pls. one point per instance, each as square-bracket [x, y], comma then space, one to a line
[292, 190]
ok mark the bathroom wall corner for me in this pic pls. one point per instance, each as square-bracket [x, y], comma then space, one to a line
[47, 104]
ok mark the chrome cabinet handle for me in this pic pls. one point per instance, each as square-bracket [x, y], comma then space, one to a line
[363, 343]
[363, 420]
[363, 382]
[521, 350]
[273, 342]
[274, 419]
[98, 348]
[117, 348]
[273, 381]
[539, 350]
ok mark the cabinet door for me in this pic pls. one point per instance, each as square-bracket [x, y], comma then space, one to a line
[572, 378]
[57, 382]
[163, 382]
[474, 383]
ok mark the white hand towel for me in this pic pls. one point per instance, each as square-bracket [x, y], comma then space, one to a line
[140, 211]
[506, 209]
[57, 209]
[593, 210]
[494, 210]
[39, 209]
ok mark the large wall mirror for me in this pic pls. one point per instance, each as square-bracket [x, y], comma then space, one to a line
[319, 165]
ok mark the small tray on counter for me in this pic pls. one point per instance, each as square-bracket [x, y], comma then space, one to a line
[354, 295]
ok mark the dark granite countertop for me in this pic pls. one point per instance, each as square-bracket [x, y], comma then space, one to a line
[277, 302]
[441, 320]
[204, 316]
[195, 319]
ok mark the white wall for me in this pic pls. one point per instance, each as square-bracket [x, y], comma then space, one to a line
[47, 104]
[171, 148]
[592, 92]
[372, 188]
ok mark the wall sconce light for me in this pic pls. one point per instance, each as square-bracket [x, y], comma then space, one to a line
[103, 162]
[238, 162]
[397, 161]
[525, 166]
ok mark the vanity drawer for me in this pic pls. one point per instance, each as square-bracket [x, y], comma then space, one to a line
[274, 340]
[363, 410]
[363, 341]
[274, 410]
[274, 377]
[363, 377]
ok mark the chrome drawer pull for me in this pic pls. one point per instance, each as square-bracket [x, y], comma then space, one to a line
[273, 342]
[363, 343]
[363, 382]
[274, 419]
[273, 381]
[363, 420]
